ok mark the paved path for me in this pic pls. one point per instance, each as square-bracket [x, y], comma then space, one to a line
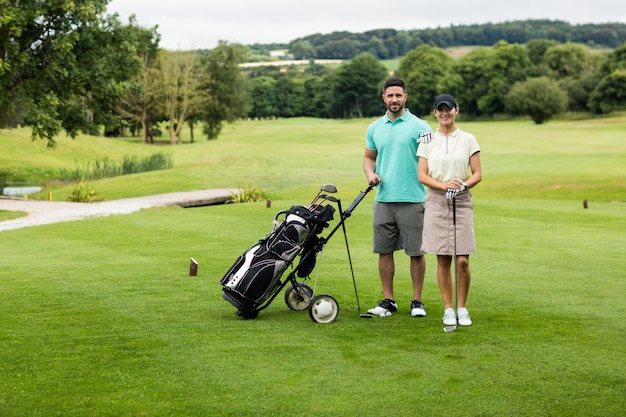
[46, 212]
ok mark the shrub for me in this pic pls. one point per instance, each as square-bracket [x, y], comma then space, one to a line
[83, 193]
[248, 194]
[540, 98]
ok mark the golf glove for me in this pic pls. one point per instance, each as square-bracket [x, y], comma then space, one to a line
[452, 192]
[425, 137]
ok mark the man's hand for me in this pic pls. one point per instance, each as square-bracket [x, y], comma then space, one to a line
[425, 137]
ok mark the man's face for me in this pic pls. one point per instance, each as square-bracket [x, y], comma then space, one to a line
[394, 98]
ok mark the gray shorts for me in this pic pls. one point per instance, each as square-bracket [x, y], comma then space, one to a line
[398, 226]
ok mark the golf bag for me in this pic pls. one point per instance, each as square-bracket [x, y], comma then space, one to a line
[255, 278]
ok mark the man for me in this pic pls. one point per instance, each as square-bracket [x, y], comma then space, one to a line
[391, 162]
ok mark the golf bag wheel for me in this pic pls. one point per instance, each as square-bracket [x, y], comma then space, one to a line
[324, 309]
[298, 298]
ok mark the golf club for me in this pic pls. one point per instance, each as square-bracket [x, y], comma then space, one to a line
[449, 329]
[326, 188]
[326, 197]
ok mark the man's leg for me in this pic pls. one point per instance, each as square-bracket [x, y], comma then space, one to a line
[386, 269]
[418, 270]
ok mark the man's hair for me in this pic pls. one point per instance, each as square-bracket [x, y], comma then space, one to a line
[394, 82]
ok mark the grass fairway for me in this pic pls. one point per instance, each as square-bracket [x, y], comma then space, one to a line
[100, 318]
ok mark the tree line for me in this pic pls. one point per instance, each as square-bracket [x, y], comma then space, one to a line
[67, 66]
[391, 43]
[540, 79]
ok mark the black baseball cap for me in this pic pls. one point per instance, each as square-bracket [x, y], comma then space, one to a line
[446, 99]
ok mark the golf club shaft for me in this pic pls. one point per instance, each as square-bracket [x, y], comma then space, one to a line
[455, 262]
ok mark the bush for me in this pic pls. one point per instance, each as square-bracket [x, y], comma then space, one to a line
[248, 194]
[540, 98]
[83, 193]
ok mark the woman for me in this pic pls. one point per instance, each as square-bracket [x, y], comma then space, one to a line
[449, 165]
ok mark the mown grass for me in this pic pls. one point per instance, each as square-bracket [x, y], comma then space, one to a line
[100, 317]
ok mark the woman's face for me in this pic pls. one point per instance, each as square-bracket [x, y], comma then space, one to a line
[445, 115]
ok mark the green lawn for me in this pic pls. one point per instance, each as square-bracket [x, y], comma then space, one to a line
[100, 316]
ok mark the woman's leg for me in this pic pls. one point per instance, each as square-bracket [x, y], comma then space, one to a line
[444, 278]
[463, 279]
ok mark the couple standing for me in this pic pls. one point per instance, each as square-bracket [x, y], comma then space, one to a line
[405, 216]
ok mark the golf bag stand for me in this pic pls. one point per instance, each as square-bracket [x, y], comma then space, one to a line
[254, 280]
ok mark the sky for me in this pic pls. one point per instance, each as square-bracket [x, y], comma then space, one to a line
[201, 24]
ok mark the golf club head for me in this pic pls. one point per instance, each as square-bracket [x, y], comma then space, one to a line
[449, 329]
[366, 315]
[328, 188]
[329, 198]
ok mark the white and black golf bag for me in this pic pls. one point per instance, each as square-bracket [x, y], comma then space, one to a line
[256, 275]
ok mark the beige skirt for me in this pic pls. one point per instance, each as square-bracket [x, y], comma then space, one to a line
[438, 235]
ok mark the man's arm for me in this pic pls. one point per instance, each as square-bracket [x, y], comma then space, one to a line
[369, 167]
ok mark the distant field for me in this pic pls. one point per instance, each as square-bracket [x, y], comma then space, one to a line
[459, 51]
[552, 160]
[390, 64]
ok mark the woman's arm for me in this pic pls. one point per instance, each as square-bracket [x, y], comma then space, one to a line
[477, 171]
[427, 180]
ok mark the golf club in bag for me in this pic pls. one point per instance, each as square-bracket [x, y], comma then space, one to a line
[255, 279]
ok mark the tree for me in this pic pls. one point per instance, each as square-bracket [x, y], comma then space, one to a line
[180, 82]
[421, 69]
[537, 49]
[139, 102]
[338, 49]
[616, 60]
[226, 97]
[376, 47]
[540, 98]
[610, 94]
[354, 87]
[285, 96]
[263, 94]
[139, 105]
[318, 96]
[302, 49]
[507, 65]
[469, 80]
[49, 53]
[567, 60]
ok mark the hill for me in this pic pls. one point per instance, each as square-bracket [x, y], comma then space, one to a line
[390, 43]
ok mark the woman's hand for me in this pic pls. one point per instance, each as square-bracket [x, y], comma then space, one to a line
[455, 184]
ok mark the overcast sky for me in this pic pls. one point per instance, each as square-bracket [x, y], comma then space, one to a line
[191, 24]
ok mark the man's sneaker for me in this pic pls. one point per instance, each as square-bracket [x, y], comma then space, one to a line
[417, 309]
[384, 308]
[449, 318]
[464, 319]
